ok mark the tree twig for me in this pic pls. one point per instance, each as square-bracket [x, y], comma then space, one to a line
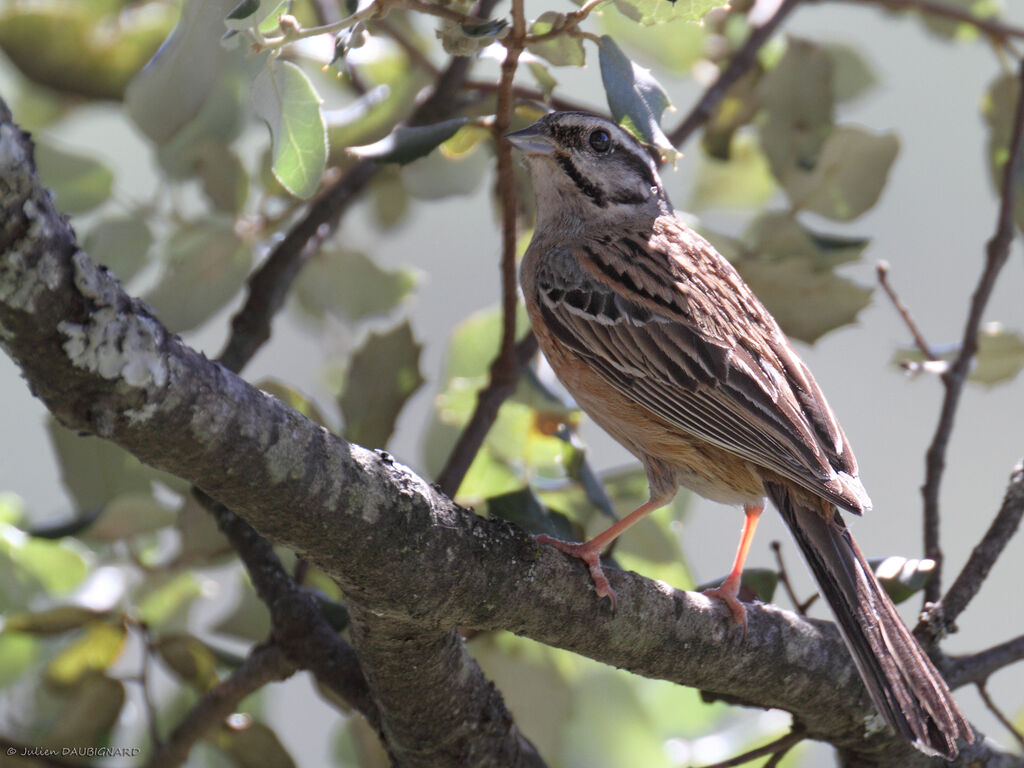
[941, 616]
[996, 30]
[488, 400]
[740, 63]
[781, 744]
[266, 664]
[800, 606]
[269, 285]
[995, 710]
[997, 252]
[507, 364]
[962, 670]
[882, 270]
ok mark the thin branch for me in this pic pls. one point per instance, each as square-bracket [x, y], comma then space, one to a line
[508, 363]
[488, 400]
[801, 607]
[962, 670]
[269, 285]
[1007, 724]
[742, 61]
[147, 695]
[998, 250]
[533, 94]
[882, 270]
[995, 30]
[299, 626]
[566, 23]
[941, 617]
[782, 744]
[266, 664]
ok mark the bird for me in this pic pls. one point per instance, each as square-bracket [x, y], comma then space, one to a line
[661, 342]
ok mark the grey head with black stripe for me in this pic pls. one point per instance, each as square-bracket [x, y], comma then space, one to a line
[587, 169]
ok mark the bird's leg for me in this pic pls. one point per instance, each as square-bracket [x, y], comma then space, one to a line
[730, 588]
[590, 551]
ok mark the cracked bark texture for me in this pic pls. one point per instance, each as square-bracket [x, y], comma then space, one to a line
[413, 564]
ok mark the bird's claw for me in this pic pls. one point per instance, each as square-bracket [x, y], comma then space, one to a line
[589, 555]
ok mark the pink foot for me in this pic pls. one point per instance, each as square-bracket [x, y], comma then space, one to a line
[589, 555]
[727, 593]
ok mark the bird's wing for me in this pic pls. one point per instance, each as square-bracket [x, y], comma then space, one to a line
[669, 323]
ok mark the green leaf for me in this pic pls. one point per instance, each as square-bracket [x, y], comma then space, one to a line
[294, 398]
[459, 39]
[121, 243]
[563, 50]
[676, 44]
[797, 97]
[94, 471]
[523, 508]
[18, 653]
[382, 375]
[744, 181]
[657, 11]
[852, 76]
[792, 270]
[250, 619]
[849, 175]
[80, 49]
[79, 183]
[252, 745]
[249, 14]
[389, 199]
[90, 713]
[168, 601]
[350, 285]
[545, 80]
[190, 659]
[224, 180]
[205, 266]
[54, 621]
[202, 542]
[183, 77]
[407, 143]
[97, 648]
[998, 107]
[55, 565]
[443, 174]
[1000, 355]
[286, 99]
[635, 98]
[902, 577]
[128, 515]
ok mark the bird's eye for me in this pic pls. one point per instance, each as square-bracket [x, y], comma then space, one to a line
[600, 141]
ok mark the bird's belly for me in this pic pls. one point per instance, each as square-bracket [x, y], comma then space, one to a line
[692, 462]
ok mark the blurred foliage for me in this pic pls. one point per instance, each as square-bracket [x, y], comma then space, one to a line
[245, 118]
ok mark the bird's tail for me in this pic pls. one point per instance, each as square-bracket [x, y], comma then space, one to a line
[904, 685]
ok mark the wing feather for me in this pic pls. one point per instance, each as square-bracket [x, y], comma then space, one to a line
[661, 327]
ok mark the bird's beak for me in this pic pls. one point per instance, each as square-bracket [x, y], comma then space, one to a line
[532, 140]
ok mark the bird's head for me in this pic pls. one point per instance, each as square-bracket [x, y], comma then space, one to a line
[586, 166]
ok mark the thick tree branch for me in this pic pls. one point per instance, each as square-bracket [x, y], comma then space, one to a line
[997, 252]
[266, 664]
[103, 364]
[474, 730]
